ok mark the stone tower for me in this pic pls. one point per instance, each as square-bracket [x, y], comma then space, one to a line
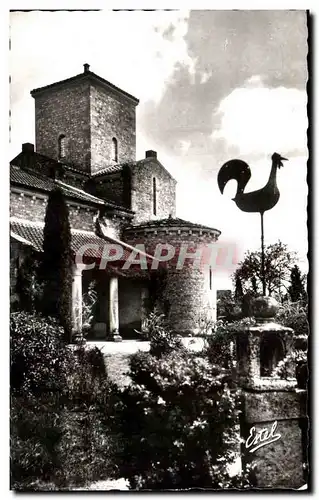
[187, 294]
[85, 122]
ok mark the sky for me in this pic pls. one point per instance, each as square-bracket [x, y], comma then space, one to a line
[212, 85]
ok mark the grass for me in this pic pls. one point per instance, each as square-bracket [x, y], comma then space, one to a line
[117, 366]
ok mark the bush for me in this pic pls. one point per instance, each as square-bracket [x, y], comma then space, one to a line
[162, 340]
[221, 343]
[35, 434]
[178, 423]
[294, 315]
[86, 376]
[38, 362]
[59, 409]
[87, 445]
[38, 354]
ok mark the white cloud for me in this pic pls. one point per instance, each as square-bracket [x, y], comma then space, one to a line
[205, 76]
[138, 52]
[183, 146]
[129, 49]
[259, 120]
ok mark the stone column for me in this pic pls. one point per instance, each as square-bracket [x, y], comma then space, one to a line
[114, 309]
[77, 298]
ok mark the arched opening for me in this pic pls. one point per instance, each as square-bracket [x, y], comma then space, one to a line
[114, 150]
[154, 197]
[62, 147]
[271, 352]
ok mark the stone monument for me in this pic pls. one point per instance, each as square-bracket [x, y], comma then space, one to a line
[273, 406]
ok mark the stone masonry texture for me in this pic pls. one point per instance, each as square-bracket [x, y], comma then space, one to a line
[90, 114]
[33, 208]
[111, 188]
[111, 117]
[65, 110]
[89, 117]
[142, 191]
[277, 464]
[186, 291]
[133, 187]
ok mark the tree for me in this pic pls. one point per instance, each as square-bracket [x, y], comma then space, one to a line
[55, 271]
[226, 305]
[238, 289]
[278, 263]
[296, 289]
[178, 418]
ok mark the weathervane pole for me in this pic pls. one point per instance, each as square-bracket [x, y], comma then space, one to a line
[255, 201]
[263, 277]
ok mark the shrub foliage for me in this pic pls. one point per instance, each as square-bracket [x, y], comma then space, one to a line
[178, 421]
[59, 408]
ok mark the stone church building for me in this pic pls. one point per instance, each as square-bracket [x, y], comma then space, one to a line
[85, 129]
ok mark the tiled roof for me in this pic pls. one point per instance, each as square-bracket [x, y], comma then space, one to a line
[22, 177]
[117, 168]
[18, 176]
[108, 170]
[25, 178]
[69, 190]
[32, 233]
[170, 222]
[84, 76]
[43, 164]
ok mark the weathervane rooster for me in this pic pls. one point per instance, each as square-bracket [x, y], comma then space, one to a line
[256, 201]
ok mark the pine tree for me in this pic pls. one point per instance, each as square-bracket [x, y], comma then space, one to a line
[56, 268]
[296, 289]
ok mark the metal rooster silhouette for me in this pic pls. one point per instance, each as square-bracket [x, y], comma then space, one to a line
[256, 201]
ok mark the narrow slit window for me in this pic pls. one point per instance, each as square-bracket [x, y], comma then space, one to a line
[62, 147]
[154, 196]
[114, 150]
[210, 279]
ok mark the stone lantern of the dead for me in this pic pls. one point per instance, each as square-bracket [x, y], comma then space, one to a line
[273, 405]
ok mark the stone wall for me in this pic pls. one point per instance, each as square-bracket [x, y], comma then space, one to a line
[186, 296]
[65, 110]
[113, 227]
[188, 293]
[277, 464]
[82, 218]
[27, 206]
[111, 116]
[111, 188]
[132, 187]
[142, 191]
[32, 207]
